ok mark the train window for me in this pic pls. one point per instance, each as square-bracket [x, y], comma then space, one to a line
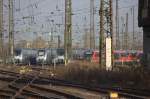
[124, 54]
[88, 54]
[116, 56]
[53, 52]
[60, 52]
[133, 54]
[17, 52]
[41, 53]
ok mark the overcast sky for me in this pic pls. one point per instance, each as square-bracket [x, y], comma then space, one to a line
[43, 11]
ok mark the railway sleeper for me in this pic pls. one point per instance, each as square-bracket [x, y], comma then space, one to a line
[55, 91]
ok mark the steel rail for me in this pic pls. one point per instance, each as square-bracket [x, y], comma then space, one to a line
[31, 93]
[130, 90]
[21, 89]
[28, 92]
[8, 94]
[18, 77]
[58, 82]
[67, 95]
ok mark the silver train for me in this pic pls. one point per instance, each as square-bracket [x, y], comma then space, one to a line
[25, 56]
[50, 56]
[81, 54]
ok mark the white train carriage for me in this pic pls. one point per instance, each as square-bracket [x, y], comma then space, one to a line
[50, 56]
[25, 56]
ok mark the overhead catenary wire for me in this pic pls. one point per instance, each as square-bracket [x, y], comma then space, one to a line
[76, 12]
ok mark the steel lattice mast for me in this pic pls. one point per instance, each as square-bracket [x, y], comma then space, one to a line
[92, 30]
[11, 28]
[1, 28]
[117, 26]
[106, 28]
[68, 30]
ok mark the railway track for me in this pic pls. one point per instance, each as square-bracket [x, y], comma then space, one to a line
[28, 85]
[21, 87]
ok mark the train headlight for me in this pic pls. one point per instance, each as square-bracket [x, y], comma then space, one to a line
[44, 58]
[21, 57]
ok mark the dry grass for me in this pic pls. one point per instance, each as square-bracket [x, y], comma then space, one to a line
[91, 74]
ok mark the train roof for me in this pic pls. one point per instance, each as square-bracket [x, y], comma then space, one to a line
[25, 49]
[128, 51]
[46, 49]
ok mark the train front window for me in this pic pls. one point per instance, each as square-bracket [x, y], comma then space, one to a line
[88, 55]
[60, 52]
[17, 52]
[41, 53]
[124, 54]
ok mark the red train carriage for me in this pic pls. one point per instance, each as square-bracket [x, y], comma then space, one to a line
[126, 57]
[95, 57]
[120, 57]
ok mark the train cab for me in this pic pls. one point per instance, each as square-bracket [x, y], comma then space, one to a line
[50, 56]
[25, 56]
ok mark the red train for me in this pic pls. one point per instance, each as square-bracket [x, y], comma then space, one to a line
[127, 57]
[120, 56]
[95, 57]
